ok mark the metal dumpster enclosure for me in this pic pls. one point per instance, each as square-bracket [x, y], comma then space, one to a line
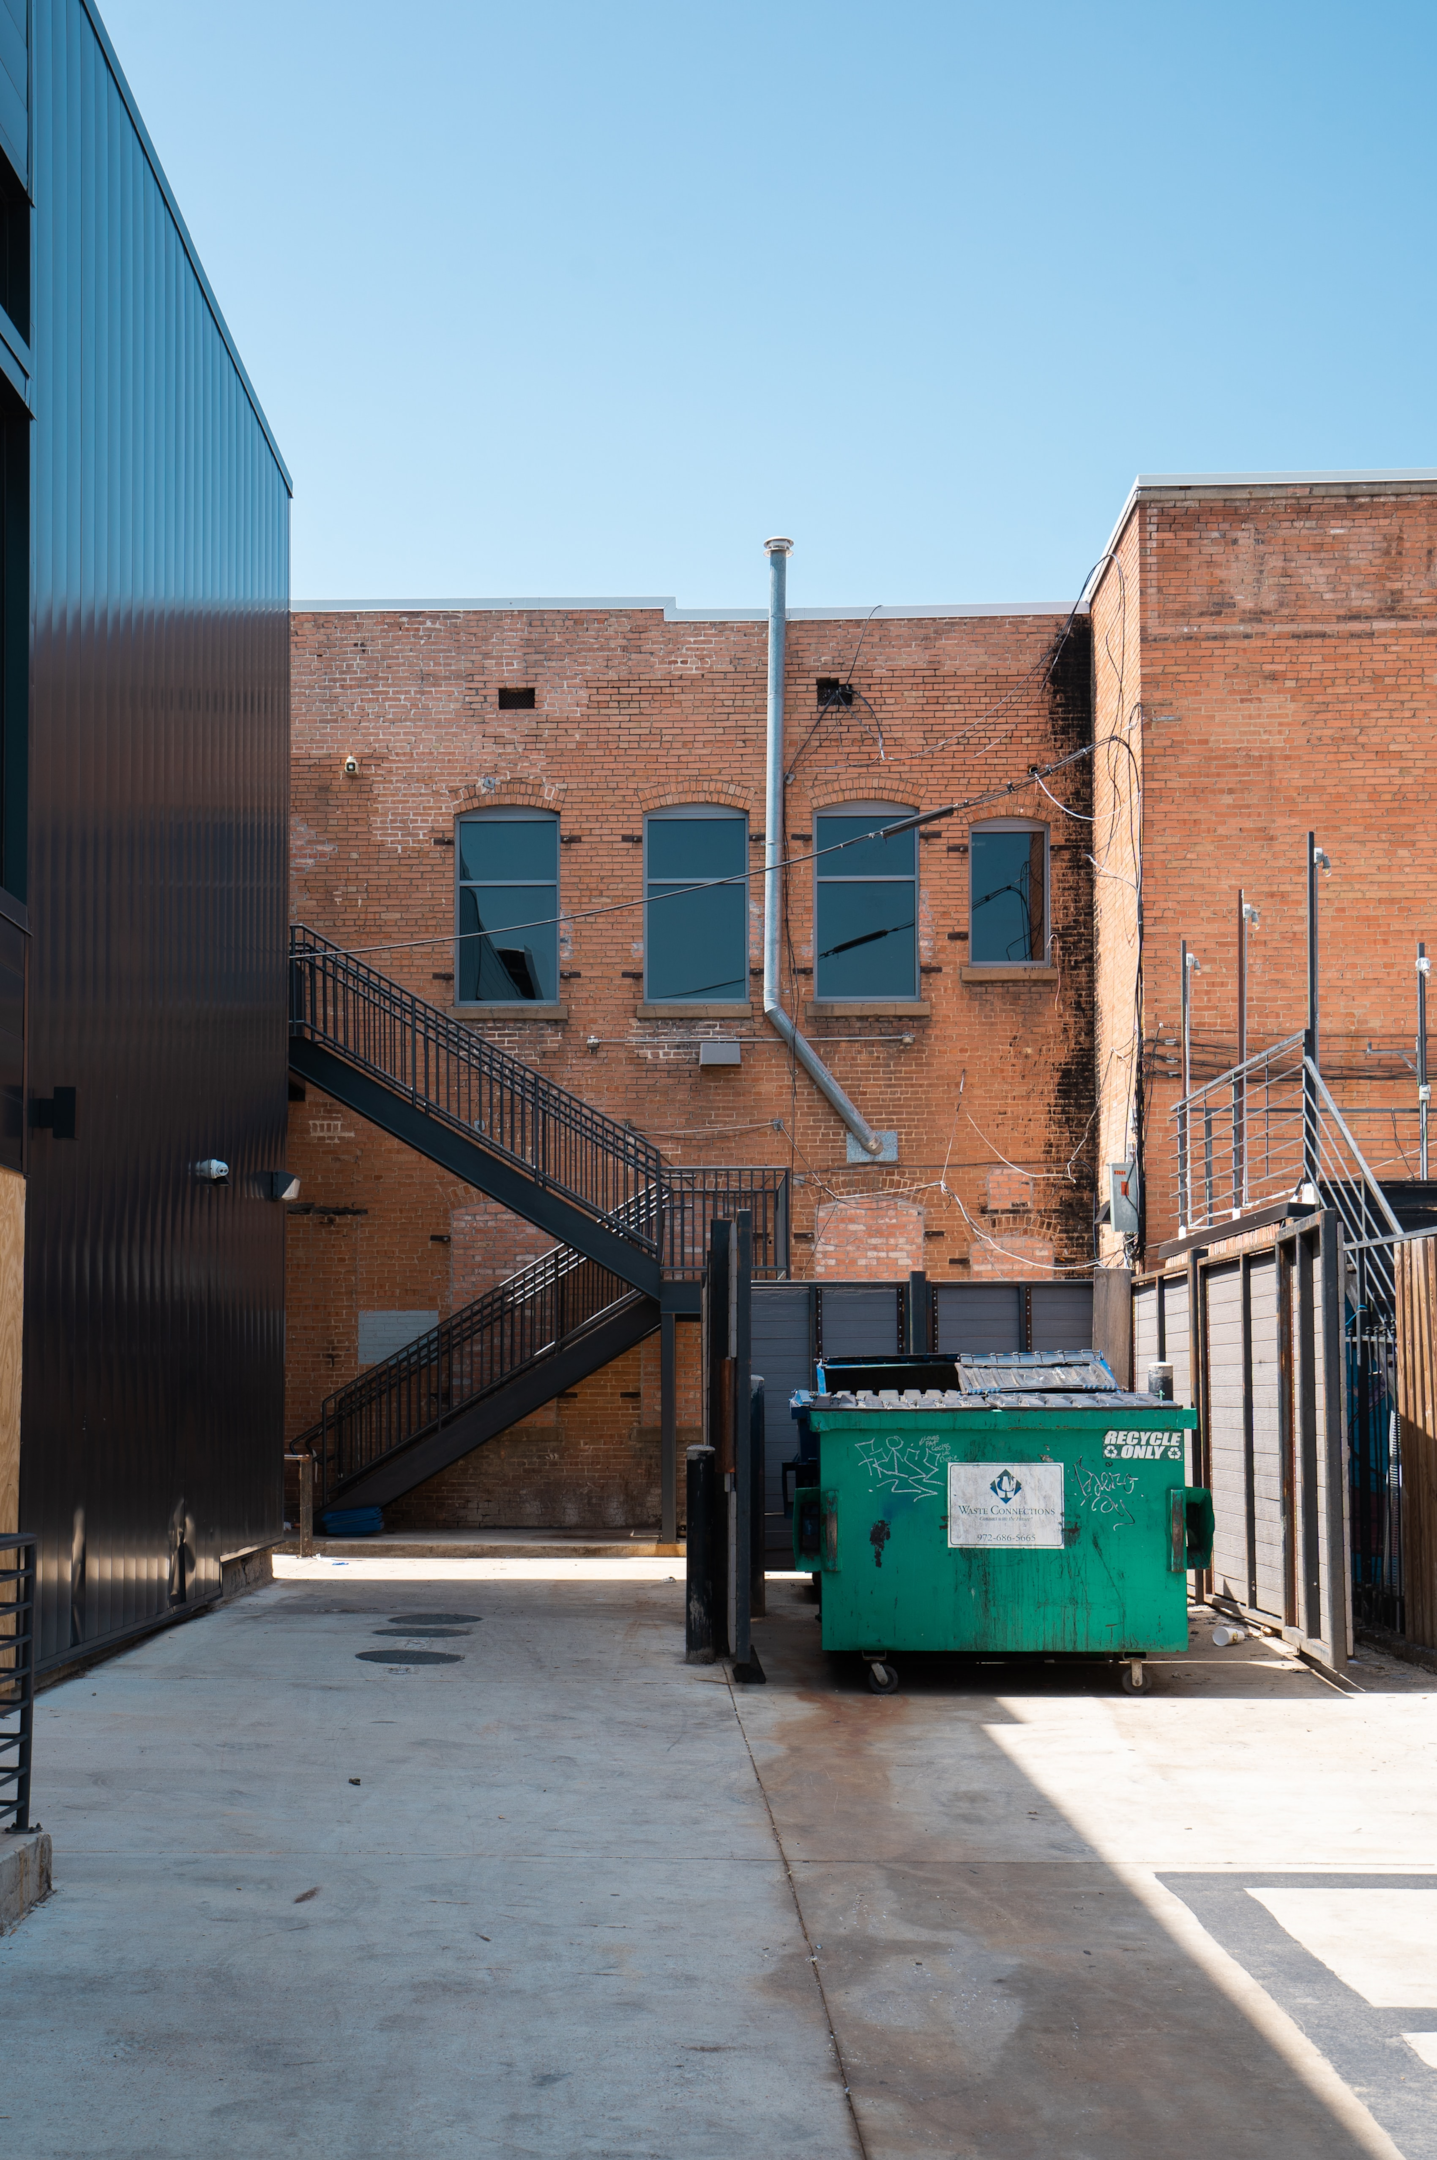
[997, 1518]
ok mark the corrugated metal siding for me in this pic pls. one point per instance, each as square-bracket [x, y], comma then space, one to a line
[15, 84]
[990, 1316]
[159, 746]
[1062, 1315]
[860, 1319]
[979, 1316]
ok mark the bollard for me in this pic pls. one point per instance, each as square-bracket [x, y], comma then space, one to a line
[306, 1507]
[758, 1522]
[699, 1601]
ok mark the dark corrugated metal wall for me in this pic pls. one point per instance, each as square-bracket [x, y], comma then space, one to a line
[159, 734]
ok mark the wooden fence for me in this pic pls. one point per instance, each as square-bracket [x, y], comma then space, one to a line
[1417, 1410]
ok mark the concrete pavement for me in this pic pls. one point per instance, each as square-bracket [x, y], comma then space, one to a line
[584, 1900]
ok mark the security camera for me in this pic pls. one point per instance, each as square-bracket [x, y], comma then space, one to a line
[351, 766]
[212, 1171]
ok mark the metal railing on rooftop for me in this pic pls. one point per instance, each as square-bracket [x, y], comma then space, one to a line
[1267, 1132]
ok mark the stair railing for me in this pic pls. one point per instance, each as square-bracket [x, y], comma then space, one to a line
[489, 1341]
[455, 1075]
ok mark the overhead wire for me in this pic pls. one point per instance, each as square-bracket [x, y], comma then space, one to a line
[999, 793]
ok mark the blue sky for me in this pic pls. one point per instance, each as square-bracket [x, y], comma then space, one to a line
[570, 299]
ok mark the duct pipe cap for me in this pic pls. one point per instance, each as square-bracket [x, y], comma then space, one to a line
[778, 547]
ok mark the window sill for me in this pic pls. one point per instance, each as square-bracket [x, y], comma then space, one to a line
[520, 1009]
[868, 1009]
[1031, 973]
[681, 1011]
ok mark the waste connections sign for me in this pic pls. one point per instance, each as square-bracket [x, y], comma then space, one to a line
[994, 1503]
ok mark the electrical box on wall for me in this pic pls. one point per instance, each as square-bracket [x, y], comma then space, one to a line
[1123, 1197]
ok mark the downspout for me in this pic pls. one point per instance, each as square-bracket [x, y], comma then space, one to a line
[773, 834]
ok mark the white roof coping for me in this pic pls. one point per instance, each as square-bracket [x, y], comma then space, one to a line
[1397, 476]
[671, 611]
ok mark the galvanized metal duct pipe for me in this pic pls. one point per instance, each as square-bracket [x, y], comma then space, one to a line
[773, 837]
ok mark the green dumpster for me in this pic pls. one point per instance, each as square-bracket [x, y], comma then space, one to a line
[1018, 1502]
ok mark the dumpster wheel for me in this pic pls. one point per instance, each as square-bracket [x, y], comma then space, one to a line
[882, 1677]
[1134, 1678]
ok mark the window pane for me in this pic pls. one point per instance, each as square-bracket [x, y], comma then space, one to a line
[1008, 915]
[867, 941]
[500, 849]
[696, 944]
[869, 858]
[505, 965]
[697, 847]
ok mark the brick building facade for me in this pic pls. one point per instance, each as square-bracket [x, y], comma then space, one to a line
[1256, 662]
[1265, 652]
[409, 722]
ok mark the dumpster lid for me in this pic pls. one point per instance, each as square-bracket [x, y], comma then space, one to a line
[1114, 1398]
[1014, 1379]
[1066, 1372]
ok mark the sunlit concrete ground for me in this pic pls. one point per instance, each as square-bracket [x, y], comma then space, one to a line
[585, 1900]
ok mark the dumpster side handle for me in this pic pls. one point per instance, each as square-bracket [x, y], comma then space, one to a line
[1190, 1523]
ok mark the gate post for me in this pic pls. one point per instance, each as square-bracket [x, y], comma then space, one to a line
[668, 1433]
[699, 1591]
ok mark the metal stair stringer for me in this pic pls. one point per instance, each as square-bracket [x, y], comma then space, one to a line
[619, 1328]
[444, 1143]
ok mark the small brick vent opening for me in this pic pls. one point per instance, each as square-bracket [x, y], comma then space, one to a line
[516, 700]
[833, 692]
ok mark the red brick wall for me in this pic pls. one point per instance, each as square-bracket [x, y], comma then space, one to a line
[587, 1461]
[1287, 657]
[878, 1236]
[633, 713]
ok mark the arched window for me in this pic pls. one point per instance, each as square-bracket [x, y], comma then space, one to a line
[865, 904]
[507, 865]
[1008, 888]
[695, 943]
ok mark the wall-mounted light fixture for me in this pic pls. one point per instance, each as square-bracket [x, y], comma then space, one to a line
[351, 766]
[278, 1185]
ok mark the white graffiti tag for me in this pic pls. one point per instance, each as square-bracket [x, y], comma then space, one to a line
[913, 1468]
[1106, 1492]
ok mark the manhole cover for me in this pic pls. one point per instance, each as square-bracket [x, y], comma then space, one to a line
[437, 1619]
[396, 1656]
[404, 1633]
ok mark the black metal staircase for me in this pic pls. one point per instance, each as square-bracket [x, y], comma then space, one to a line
[634, 1228]
[437, 1085]
[511, 1351]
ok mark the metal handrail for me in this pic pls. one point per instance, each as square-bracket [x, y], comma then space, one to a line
[1263, 1131]
[522, 1319]
[612, 1172]
[1374, 1189]
[442, 1372]
[461, 1079]
[17, 1675]
[1236, 1072]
